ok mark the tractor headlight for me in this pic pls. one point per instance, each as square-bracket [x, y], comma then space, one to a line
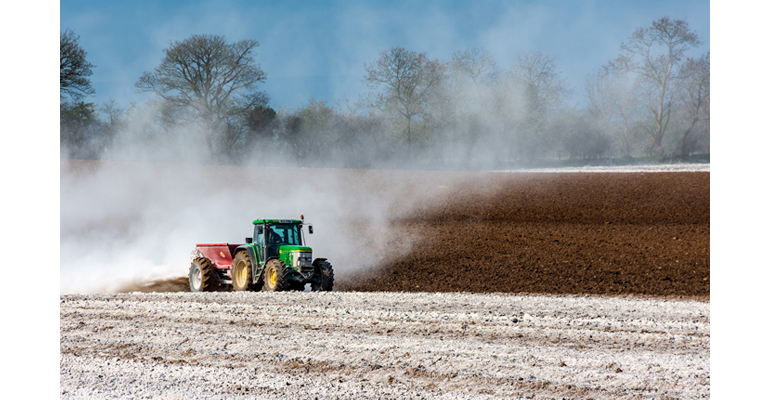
[303, 259]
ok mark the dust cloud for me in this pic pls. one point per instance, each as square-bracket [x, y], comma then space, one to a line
[126, 220]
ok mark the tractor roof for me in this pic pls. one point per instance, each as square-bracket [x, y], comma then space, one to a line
[277, 221]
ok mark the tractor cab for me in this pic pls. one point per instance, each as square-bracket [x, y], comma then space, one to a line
[279, 238]
[272, 235]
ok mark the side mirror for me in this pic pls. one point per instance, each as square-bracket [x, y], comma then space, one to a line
[259, 230]
[248, 240]
[310, 229]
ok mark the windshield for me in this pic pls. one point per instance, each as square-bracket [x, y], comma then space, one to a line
[284, 234]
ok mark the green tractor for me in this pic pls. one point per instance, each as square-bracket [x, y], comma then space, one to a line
[274, 259]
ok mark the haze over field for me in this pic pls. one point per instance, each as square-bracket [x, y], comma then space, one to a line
[134, 222]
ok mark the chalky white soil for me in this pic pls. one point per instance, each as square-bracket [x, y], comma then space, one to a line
[304, 345]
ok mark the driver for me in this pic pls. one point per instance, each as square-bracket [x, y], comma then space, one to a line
[274, 237]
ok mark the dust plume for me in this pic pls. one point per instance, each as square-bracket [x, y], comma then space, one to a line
[126, 222]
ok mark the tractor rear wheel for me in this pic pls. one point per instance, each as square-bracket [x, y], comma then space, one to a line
[276, 279]
[325, 279]
[201, 275]
[242, 272]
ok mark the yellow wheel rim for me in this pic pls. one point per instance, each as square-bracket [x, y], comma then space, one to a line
[272, 277]
[241, 275]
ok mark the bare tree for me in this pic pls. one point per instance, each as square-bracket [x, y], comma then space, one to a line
[317, 133]
[471, 71]
[582, 140]
[543, 91]
[243, 132]
[74, 68]
[655, 55]
[614, 108]
[210, 78]
[544, 88]
[476, 64]
[405, 81]
[696, 99]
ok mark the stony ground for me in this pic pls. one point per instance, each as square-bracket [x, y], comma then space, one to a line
[304, 345]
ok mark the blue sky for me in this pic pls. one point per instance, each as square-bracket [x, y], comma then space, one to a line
[318, 49]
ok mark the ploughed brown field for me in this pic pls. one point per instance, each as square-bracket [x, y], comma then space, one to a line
[570, 233]
[620, 233]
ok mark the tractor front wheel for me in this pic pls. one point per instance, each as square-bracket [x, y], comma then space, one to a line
[324, 275]
[242, 272]
[201, 275]
[276, 279]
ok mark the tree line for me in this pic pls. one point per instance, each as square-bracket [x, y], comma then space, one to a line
[650, 102]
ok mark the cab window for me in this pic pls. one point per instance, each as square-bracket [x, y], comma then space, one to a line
[259, 235]
[284, 234]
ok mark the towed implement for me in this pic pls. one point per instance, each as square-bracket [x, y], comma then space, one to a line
[274, 259]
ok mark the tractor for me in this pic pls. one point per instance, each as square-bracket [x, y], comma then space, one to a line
[274, 259]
